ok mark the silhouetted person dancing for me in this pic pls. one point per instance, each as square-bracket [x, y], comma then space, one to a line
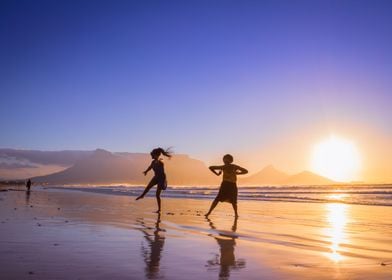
[228, 190]
[159, 178]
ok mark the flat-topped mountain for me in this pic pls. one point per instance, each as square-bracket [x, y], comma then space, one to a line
[103, 167]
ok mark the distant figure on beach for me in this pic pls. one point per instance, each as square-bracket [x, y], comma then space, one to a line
[28, 185]
[228, 190]
[159, 178]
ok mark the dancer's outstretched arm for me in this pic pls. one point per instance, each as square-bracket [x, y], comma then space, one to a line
[216, 169]
[240, 170]
[148, 169]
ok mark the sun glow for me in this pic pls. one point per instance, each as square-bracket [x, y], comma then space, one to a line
[337, 159]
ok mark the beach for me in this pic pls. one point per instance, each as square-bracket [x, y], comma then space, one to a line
[56, 233]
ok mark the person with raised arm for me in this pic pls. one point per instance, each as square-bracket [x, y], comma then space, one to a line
[228, 190]
[159, 178]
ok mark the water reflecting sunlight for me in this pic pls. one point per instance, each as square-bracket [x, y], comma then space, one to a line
[337, 219]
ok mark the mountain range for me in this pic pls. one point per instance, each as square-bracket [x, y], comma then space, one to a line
[104, 167]
[269, 175]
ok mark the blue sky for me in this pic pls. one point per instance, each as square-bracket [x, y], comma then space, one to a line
[207, 77]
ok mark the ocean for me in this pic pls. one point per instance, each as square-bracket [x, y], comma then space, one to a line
[351, 194]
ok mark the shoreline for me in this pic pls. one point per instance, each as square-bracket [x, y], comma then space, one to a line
[166, 194]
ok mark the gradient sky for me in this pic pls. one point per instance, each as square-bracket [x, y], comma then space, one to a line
[264, 80]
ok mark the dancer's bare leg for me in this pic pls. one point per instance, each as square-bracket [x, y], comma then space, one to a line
[213, 205]
[235, 209]
[147, 189]
[158, 196]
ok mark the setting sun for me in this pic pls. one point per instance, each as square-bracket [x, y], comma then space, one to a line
[337, 159]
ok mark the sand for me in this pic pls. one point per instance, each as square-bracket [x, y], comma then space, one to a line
[68, 234]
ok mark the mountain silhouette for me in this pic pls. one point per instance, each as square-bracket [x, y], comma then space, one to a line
[104, 167]
[269, 175]
[101, 167]
[308, 178]
[272, 176]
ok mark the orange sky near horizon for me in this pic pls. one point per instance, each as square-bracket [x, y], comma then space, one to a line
[294, 154]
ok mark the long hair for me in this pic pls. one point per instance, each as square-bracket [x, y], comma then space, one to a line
[159, 151]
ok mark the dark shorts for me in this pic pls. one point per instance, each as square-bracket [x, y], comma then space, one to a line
[228, 192]
[160, 181]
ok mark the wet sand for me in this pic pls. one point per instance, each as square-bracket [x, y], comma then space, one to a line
[69, 234]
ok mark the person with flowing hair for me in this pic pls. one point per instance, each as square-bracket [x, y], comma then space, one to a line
[159, 178]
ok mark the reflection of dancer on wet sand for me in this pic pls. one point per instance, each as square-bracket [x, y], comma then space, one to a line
[226, 261]
[159, 178]
[152, 254]
[228, 190]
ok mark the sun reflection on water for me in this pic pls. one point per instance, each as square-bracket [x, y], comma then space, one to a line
[337, 219]
[337, 196]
